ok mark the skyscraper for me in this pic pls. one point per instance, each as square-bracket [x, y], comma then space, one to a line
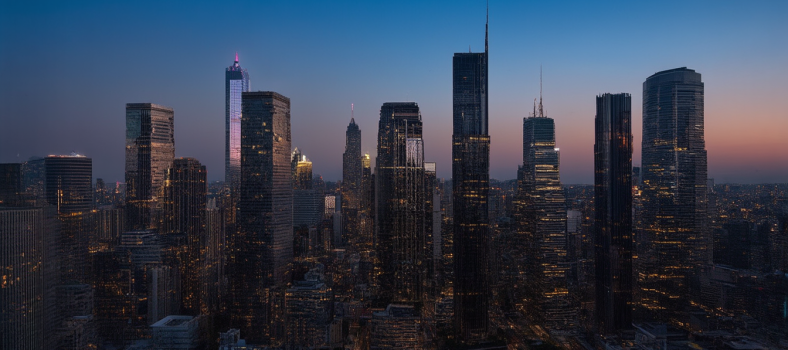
[351, 181]
[150, 149]
[69, 189]
[262, 248]
[236, 82]
[471, 180]
[613, 212]
[676, 243]
[400, 221]
[543, 230]
[184, 214]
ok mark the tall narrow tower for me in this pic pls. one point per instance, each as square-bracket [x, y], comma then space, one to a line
[236, 82]
[613, 239]
[471, 180]
[351, 181]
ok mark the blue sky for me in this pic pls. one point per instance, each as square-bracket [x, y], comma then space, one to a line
[68, 68]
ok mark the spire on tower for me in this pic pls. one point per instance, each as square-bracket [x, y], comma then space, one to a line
[352, 117]
[541, 108]
[236, 56]
[487, 27]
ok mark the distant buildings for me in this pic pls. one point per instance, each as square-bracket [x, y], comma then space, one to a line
[471, 180]
[613, 211]
[676, 243]
[150, 149]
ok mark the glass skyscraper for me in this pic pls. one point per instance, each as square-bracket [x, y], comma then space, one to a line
[543, 229]
[150, 149]
[262, 248]
[676, 243]
[471, 180]
[236, 82]
[400, 199]
[613, 212]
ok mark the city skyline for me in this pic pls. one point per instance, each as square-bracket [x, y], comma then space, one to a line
[738, 49]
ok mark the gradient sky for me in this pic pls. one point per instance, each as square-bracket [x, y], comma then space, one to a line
[68, 68]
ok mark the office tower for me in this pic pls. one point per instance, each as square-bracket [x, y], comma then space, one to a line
[11, 188]
[396, 327]
[21, 296]
[471, 180]
[302, 177]
[214, 262]
[431, 227]
[400, 221]
[262, 248]
[613, 212]
[308, 309]
[351, 182]
[183, 213]
[676, 243]
[150, 149]
[236, 82]
[69, 189]
[176, 332]
[543, 229]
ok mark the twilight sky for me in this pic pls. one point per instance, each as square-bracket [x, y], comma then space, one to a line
[68, 68]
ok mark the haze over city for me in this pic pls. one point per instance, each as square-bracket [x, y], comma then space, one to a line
[69, 69]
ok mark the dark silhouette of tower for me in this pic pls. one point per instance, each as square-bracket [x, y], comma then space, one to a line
[471, 180]
[351, 182]
[262, 249]
[400, 200]
[613, 212]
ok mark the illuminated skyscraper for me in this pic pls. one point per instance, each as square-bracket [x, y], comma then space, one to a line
[150, 149]
[471, 180]
[543, 229]
[236, 82]
[676, 243]
[262, 248]
[400, 221]
[613, 212]
[184, 213]
[351, 182]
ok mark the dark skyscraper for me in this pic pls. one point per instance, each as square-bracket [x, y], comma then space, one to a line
[676, 243]
[613, 211]
[400, 191]
[236, 82]
[69, 189]
[544, 227]
[351, 182]
[471, 179]
[262, 249]
[184, 214]
[150, 149]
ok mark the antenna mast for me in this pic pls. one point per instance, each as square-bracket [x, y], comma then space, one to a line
[541, 108]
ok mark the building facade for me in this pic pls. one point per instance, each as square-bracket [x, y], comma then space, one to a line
[261, 250]
[471, 185]
[675, 243]
[613, 212]
[150, 149]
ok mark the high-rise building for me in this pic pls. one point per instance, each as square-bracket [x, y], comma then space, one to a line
[400, 196]
[150, 149]
[183, 213]
[302, 178]
[471, 185]
[543, 229]
[262, 248]
[69, 189]
[236, 82]
[351, 182]
[675, 243]
[307, 304]
[613, 212]
[22, 278]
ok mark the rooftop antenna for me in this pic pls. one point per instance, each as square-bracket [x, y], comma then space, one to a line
[541, 108]
[352, 117]
[236, 56]
[487, 27]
